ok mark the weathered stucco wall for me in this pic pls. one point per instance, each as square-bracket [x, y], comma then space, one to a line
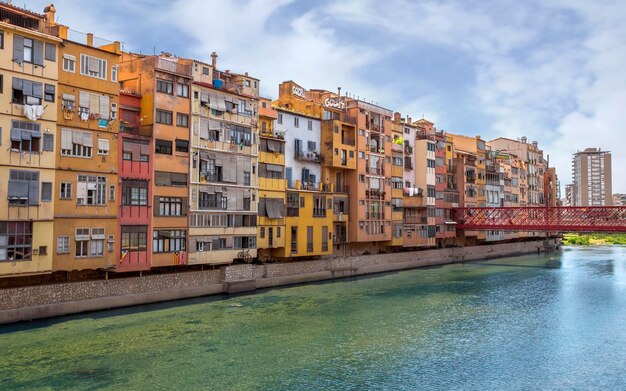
[41, 301]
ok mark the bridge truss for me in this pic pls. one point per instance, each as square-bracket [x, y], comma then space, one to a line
[559, 219]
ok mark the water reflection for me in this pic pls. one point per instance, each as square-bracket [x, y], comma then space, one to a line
[548, 322]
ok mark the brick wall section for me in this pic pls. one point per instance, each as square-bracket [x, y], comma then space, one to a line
[42, 295]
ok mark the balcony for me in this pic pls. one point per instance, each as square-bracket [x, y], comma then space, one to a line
[308, 156]
[278, 134]
[30, 23]
[375, 194]
[375, 170]
[375, 216]
[408, 149]
[342, 188]
[136, 129]
[172, 67]
[415, 220]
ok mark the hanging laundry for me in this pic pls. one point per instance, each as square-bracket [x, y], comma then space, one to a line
[84, 116]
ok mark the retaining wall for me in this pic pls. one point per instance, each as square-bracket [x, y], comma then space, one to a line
[32, 302]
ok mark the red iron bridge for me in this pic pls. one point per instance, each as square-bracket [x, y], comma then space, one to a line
[556, 219]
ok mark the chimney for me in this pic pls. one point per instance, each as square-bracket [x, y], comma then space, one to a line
[214, 60]
[49, 11]
[535, 144]
[396, 117]
[339, 91]
[524, 140]
[408, 120]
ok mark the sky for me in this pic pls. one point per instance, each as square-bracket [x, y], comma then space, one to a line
[553, 71]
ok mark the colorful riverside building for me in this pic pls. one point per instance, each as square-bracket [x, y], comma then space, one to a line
[29, 70]
[397, 182]
[272, 185]
[309, 213]
[223, 167]
[163, 84]
[135, 165]
[447, 197]
[86, 207]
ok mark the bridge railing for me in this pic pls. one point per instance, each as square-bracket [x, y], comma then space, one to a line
[566, 218]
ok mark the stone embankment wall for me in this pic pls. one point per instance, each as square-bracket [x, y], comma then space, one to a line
[32, 302]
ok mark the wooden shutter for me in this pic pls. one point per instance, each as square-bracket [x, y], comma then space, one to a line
[51, 52]
[33, 193]
[157, 206]
[18, 48]
[184, 206]
[37, 52]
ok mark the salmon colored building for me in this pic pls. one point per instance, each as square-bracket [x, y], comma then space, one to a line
[164, 83]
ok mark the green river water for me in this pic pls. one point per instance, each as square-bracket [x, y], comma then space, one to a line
[533, 322]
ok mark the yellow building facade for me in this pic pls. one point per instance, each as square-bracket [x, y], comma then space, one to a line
[28, 113]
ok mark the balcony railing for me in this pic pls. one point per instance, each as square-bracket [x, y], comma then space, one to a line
[415, 220]
[342, 188]
[375, 216]
[375, 193]
[308, 156]
[375, 170]
[279, 134]
[172, 67]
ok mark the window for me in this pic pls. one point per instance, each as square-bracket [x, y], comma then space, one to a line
[82, 242]
[280, 118]
[182, 120]
[430, 147]
[319, 206]
[169, 241]
[93, 66]
[103, 147]
[63, 245]
[134, 193]
[23, 187]
[112, 193]
[25, 136]
[66, 191]
[91, 190]
[48, 142]
[311, 146]
[212, 201]
[262, 233]
[293, 207]
[48, 93]
[46, 191]
[246, 178]
[164, 117]
[162, 178]
[26, 92]
[166, 87]
[182, 90]
[28, 50]
[205, 70]
[310, 125]
[114, 73]
[76, 143]
[246, 203]
[272, 171]
[15, 241]
[163, 147]
[169, 206]
[309, 239]
[97, 242]
[1, 39]
[69, 63]
[296, 122]
[182, 146]
[134, 237]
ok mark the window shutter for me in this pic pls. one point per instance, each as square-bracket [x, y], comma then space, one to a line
[38, 90]
[184, 207]
[37, 52]
[157, 206]
[48, 142]
[18, 48]
[103, 145]
[33, 193]
[51, 52]
[104, 107]
[46, 191]
[83, 100]
[66, 139]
